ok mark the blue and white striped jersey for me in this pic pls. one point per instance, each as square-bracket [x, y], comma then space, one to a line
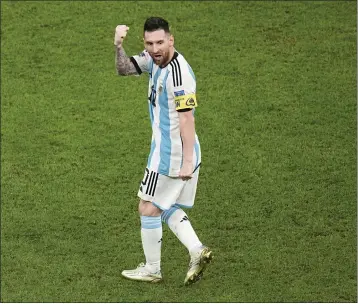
[171, 88]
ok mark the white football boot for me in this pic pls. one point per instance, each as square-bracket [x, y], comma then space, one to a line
[141, 273]
[197, 265]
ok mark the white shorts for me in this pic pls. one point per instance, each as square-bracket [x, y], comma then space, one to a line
[164, 191]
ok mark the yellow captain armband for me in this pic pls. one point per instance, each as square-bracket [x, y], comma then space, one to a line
[185, 101]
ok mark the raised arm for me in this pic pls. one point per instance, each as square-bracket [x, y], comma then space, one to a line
[124, 65]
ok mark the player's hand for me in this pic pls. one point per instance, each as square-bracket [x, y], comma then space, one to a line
[121, 32]
[186, 171]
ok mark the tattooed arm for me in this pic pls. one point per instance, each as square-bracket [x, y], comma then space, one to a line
[124, 65]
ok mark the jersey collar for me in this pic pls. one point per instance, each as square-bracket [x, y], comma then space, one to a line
[175, 55]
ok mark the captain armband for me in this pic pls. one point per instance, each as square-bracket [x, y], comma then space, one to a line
[185, 102]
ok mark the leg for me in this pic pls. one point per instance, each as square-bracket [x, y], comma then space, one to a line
[151, 233]
[200, 255]
[179, 223]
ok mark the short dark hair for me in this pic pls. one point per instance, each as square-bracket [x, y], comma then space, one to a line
[156, 23]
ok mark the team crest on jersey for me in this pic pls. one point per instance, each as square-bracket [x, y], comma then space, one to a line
[179, 93]
[160, 88]
[142, 54]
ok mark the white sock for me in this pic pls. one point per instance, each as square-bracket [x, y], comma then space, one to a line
[152, 233]
[179, 223]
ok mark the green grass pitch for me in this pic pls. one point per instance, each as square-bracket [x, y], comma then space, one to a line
[276, 86]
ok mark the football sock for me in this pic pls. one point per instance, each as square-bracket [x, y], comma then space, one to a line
[151, 233]
[179, 223]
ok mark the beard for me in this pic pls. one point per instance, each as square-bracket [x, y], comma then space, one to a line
[160, 59]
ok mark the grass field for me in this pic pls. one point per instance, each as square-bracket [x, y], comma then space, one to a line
[276, 85]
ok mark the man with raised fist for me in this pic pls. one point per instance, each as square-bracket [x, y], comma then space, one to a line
[171, 176]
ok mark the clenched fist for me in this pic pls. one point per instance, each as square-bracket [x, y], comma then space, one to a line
[121, 32]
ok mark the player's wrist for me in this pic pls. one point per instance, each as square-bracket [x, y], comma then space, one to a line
[187, 161]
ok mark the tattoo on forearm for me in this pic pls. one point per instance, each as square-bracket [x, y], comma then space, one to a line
[123, 64]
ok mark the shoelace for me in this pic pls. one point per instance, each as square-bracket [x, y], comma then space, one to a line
[141, 269]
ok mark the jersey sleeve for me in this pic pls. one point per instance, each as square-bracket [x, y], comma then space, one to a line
[184, 87]
[142, 62]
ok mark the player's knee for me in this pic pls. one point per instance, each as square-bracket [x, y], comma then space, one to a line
[146, 208]
[142, 206]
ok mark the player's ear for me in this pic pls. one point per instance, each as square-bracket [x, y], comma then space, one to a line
[145, 46]
[171, 40]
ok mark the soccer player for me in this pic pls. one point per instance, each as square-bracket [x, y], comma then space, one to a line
[171, 177]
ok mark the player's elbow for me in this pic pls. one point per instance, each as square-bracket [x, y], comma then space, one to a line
[186, 119]
[186, 116]
[121, 72]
